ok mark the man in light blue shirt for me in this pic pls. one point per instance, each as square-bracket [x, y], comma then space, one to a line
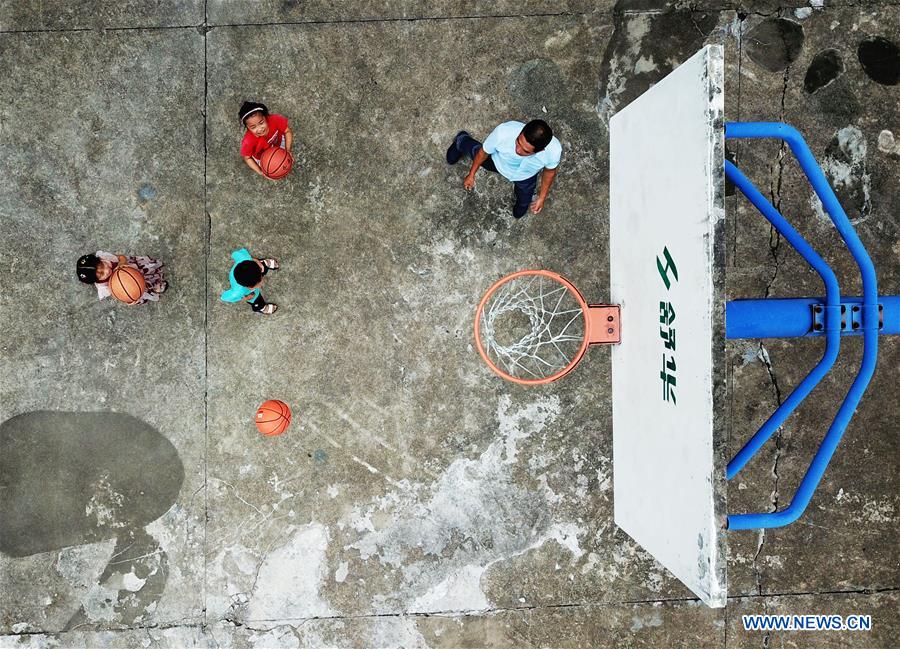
[519, 152]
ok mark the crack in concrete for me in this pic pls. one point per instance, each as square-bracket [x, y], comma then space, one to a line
[757, 574]
[356, 21]
[774, 235]
[266, 623]
[151, 639]
[725, 628]
[811, 593]
[204, 27]
[208, 248]
[99, 30]
[697, 27]
[737, 143]
[457, 614]
[259, 567]
[774, 247]
[774, 244]
[183, 623]
[775, 191]
[763, 354]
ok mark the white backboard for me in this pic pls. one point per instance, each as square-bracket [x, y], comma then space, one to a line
[667, 197]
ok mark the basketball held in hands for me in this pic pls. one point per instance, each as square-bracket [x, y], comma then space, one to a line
[127, 284]
[276, 163]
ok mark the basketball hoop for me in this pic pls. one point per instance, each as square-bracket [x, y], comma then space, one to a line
[533, 327]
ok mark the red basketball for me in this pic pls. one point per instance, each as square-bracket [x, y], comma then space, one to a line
[273, 417]
[127, 284]
[276, 162]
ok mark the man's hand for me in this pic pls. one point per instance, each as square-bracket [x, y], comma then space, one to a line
[547, 178]
[480, 157]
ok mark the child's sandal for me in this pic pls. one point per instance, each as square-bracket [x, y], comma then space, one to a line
[269, 309]
[271, 264]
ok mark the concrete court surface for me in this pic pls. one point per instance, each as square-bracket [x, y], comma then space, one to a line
[417, 500]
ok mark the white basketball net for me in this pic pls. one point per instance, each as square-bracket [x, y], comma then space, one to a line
[532, 327]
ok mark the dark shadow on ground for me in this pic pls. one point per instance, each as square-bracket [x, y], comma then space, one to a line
[71, 478]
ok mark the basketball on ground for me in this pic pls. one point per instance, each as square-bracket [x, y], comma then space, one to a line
[276, 162]
[127, 284]
[273, 417]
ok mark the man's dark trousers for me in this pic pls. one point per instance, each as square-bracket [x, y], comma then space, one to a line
[524, 188]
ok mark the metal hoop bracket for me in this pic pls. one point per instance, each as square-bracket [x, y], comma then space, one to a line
[604, 324]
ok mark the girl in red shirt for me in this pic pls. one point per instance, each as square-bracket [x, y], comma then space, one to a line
[263, 130]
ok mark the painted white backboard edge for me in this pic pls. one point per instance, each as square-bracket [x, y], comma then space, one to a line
[668, 373]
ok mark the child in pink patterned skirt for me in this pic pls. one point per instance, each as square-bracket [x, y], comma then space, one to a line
[97, 268]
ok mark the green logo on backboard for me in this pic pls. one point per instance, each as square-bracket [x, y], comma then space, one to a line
[667, 329]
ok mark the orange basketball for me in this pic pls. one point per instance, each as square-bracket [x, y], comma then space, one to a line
[276, 162]
[127, 284]
[273, 417]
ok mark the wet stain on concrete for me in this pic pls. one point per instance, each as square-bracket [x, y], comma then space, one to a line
[880, 59]
[730, 189]
[97, 143]
[70, 478]
[146, 193]
[845, 165]
[774, 43]
[825, 67]
[839, 99]
[643, 49]
[538, 88]
[129, 586]
[74, 478]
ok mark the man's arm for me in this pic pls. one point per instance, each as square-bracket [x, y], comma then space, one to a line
[547, 177]
[480, 157]
[288, 139]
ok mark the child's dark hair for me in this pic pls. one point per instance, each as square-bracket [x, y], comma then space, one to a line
[538, 133]
[247, 273]
[250, 107]
[86, 269]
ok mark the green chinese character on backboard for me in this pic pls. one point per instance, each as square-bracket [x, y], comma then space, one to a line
[664, 270]
[667, 375]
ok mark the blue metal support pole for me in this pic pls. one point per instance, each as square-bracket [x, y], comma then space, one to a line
[793, 317]
[869, 326]
[832, 319]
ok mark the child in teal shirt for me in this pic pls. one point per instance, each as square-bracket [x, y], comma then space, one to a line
[246, 277]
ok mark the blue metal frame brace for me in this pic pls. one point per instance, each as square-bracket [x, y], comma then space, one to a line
[795, 317]
[828, 317]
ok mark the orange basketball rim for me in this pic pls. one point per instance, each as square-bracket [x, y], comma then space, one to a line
[556, 326]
